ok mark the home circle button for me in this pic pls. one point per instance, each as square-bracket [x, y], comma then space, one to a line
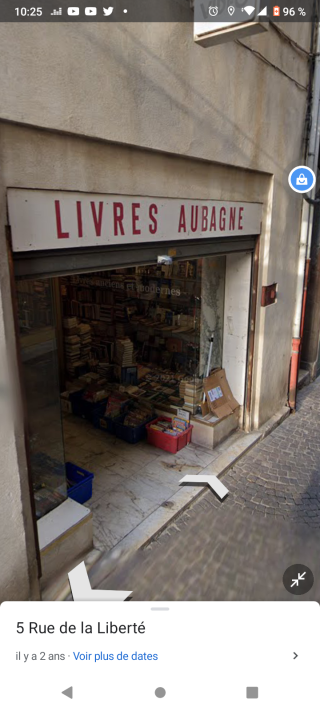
[160, 692]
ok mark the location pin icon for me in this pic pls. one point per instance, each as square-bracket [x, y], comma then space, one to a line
[231, 10]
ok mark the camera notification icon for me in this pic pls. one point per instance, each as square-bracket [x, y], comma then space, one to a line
[302, 179]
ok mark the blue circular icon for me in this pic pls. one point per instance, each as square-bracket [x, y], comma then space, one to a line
[302, 179]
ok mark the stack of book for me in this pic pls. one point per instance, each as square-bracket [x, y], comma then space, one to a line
[117, 404]
[138, 415]
[165, 426]
[106, 313]
[120, 313]
[105, 370]
[124, 352]
[70, 326]
[71, 345]
[192, 392]
[84, 330]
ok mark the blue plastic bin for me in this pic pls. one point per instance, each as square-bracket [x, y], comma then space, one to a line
[81, 489]
[108, 424]
[92, 410]
[132, 434]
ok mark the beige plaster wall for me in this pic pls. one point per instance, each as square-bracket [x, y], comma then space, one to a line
[151, 85]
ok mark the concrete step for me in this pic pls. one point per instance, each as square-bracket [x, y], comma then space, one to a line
[303, 378]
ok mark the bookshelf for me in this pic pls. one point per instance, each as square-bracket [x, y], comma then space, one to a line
[158, 309]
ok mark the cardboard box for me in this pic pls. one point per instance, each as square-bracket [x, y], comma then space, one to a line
[218, 394]
[204, 408]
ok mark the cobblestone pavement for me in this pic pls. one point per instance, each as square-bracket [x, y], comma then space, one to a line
[239, 549]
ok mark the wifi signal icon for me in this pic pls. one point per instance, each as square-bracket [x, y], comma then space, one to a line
[249, 9]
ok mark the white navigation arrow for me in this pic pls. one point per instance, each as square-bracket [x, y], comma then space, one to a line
[209, 479]
[82, 590]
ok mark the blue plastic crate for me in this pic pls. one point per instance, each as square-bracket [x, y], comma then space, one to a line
[132, 434]
[107, 424]
[92, 410]
[81, 489]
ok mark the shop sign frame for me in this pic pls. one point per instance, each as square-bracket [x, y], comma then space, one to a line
[42, 220]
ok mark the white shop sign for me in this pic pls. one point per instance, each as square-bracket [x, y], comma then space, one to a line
[45, 219]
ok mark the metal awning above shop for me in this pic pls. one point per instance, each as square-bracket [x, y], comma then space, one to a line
[50, 263]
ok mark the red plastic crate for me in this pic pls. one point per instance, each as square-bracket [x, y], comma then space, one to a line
[165, 441]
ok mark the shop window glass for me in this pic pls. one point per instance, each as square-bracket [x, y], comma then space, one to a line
[39, 358]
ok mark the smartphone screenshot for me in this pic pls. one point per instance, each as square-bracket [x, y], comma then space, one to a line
[160, 354]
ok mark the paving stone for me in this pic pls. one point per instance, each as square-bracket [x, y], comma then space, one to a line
[239, 549]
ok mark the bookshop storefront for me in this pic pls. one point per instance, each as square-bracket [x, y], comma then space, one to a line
[131, 310]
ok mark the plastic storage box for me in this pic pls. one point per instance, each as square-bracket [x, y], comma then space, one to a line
[131, 434]
[171, 443]
[107, 424]
[92, 410]
[81, 483]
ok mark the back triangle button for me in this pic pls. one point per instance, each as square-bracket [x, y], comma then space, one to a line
[68, 692]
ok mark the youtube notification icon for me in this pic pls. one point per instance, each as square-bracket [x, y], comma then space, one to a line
[90, 11]
[73, 11]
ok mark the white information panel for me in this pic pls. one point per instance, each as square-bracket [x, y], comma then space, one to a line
[161, 655]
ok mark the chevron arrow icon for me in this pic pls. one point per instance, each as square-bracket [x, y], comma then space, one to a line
[82, 591]
[208, 479]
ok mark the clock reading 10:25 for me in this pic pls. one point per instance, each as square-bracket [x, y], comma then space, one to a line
[28, 11]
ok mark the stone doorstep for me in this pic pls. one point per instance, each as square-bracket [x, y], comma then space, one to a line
[63, 533]
[100, 565]
[303, 378]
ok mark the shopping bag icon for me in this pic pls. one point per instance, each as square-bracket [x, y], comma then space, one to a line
[302, 180]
